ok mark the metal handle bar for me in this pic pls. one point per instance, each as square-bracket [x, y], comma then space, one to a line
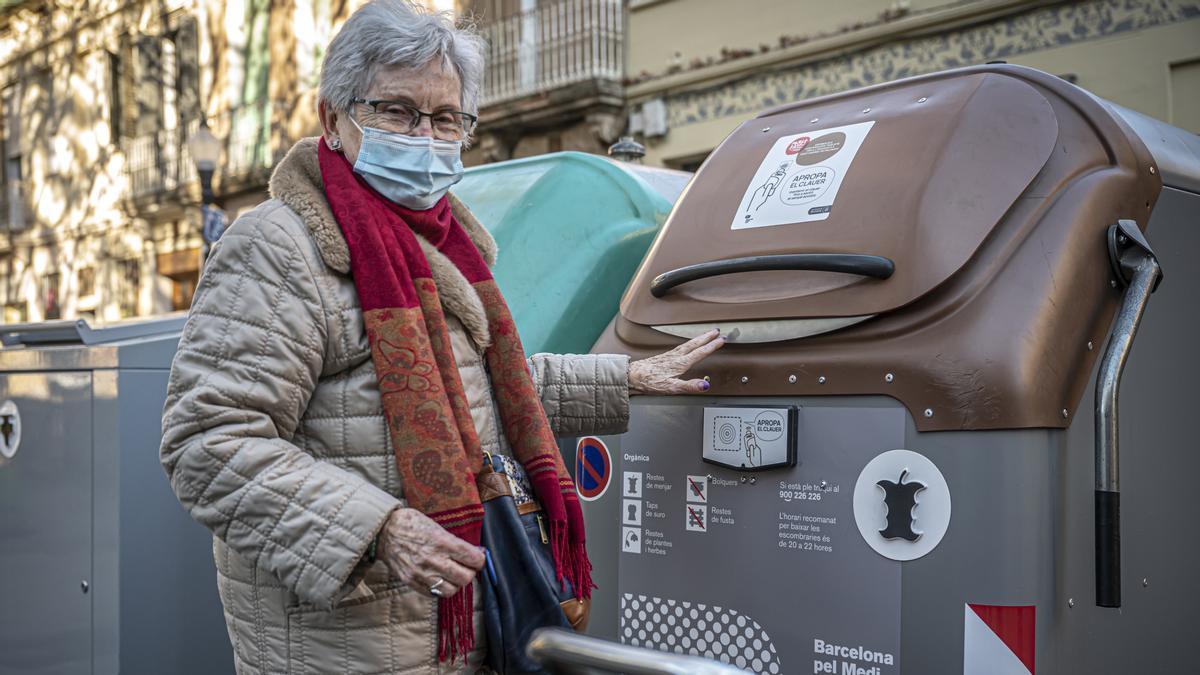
[566, 652]
[1136, 267]
[874, 266]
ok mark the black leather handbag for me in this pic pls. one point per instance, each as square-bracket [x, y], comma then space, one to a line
[520, 593]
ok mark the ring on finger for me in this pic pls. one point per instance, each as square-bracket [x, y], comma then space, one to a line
[434, 590]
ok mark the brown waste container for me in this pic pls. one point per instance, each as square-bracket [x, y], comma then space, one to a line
[907, 460]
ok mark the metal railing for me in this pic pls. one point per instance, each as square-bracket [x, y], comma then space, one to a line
[160, 162]
[553, 46]
[564, 652]
[247, 133]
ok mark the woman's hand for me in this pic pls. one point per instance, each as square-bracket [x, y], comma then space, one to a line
[420, 552]
[660, 374]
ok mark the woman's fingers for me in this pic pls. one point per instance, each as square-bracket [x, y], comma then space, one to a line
[452, 559]
[442, 544]
[434, 568]
[445, 589]
[700, 353]
[695, 356]
[421, 552]
[660, 374]
[697, 342]
[452, 575]
[463, 553]
[452, 572]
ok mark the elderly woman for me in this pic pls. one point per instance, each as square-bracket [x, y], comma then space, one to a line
[347, 362]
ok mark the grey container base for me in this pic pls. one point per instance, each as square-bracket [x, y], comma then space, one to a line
[1157, 623]
[1020, 534]
[101, 569]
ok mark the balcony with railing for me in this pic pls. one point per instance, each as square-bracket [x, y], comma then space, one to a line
[556, 52]
[159, 165]
[247, 133]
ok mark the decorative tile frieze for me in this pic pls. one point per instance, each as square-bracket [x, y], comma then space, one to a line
[1002, 39]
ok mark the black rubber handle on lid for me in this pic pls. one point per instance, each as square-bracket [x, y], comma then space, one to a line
[873, 266]
[1108, 548]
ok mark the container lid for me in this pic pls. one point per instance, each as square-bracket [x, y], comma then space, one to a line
[920, 181]
[80, 332]
[990, 191]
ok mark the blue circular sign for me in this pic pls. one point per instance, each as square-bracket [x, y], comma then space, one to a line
[593, 468]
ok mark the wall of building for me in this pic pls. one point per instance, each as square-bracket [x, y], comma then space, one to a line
[1142, 54]
[100, 214]
[97, 101]
[99, 203]
[672, 35]
[554, 78]
[63, 172]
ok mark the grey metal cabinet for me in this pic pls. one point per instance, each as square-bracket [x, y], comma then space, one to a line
[101, 570]
[45, 531]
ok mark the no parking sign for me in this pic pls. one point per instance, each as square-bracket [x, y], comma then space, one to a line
[593, 468]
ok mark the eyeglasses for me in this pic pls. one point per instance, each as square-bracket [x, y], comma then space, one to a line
[448, 125]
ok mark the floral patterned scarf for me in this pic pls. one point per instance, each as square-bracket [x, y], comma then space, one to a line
[437, 450]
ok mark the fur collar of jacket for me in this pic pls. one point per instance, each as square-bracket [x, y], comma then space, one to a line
[297, 183]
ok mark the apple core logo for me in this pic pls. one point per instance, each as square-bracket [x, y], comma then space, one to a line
[10, 429]
[902, 505]
[900, 498]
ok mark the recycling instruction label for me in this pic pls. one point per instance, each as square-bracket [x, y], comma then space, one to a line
[799, 179]
[749, 437]
[762, 568]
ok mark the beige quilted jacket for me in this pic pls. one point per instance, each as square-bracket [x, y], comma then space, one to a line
[274, 438]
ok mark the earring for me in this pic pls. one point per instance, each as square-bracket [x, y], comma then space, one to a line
[335, 144]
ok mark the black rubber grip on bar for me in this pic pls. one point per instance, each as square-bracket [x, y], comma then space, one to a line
[1108, 548]
[873, 266]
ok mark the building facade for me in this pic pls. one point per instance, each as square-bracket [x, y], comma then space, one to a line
[699, 68]
[100, 215]
[100, 212]
[100, 205]
[555, 76]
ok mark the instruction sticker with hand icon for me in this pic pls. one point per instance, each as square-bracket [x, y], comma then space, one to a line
[747, 437]
[798, 179]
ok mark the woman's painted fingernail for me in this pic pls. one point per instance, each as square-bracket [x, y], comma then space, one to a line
[704, 385]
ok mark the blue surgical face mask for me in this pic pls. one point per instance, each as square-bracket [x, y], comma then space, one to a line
[412, 171]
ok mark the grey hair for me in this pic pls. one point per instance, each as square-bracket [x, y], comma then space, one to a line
[399, 32]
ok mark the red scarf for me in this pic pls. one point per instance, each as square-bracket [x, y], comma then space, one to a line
[437, 450]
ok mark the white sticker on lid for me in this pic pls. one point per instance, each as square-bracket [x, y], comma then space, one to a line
[798, 180]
